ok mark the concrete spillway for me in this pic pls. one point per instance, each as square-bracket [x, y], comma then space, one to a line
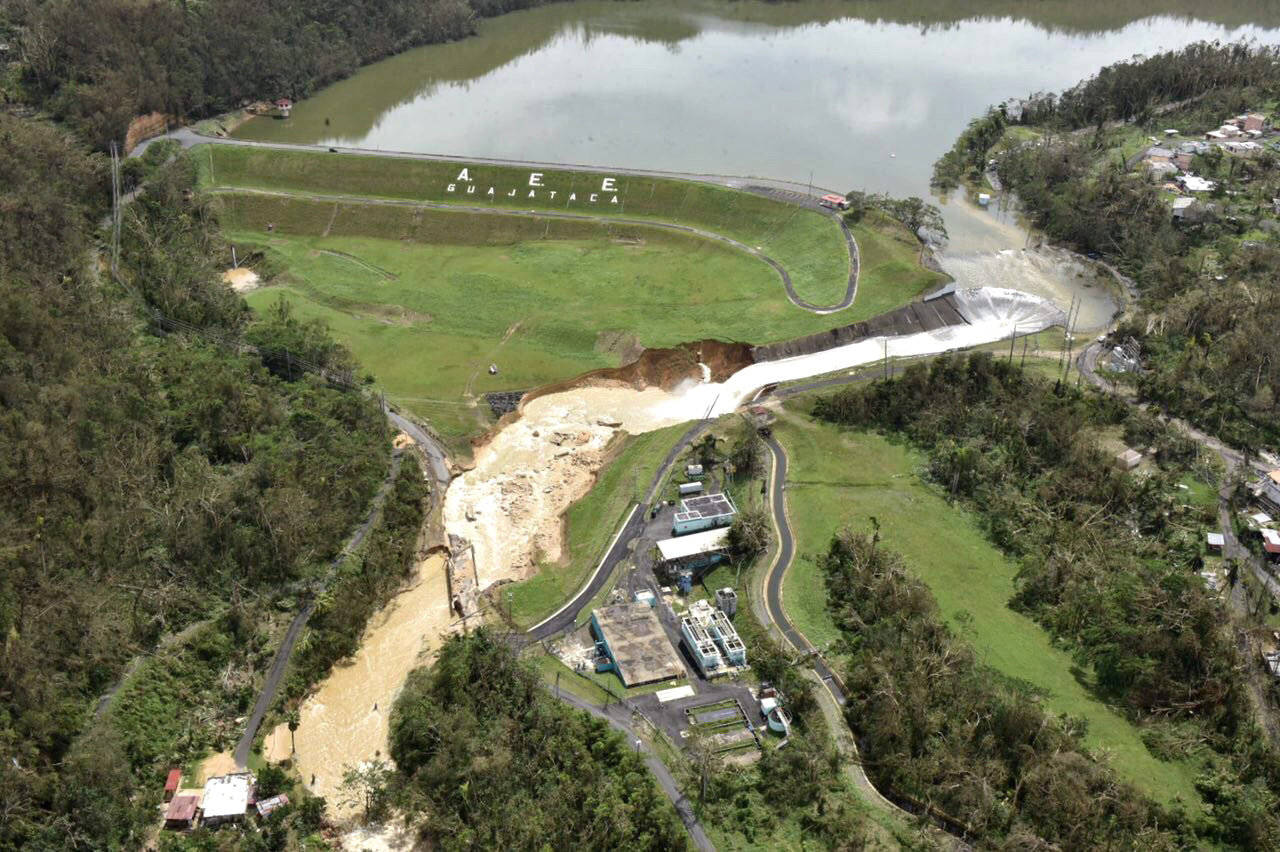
[987, 314]
[510, 505]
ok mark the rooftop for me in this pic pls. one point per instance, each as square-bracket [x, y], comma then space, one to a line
[639, 645]
[227, 795]
[692, 545]
[182, 808]
[704, 506]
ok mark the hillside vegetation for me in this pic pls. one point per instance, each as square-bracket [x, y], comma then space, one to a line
[95, 64]
[161, 494]
[1108, 563]
[487, 758]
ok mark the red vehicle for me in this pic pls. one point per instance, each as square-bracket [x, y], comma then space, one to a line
[835, 202]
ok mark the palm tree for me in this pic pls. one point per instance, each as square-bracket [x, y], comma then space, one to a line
[292, 719]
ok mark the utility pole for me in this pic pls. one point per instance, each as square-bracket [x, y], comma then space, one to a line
[1013, 335]
[885, 343]
[115, 212]
[1023, 364]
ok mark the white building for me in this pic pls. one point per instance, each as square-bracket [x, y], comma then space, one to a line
[226, 798]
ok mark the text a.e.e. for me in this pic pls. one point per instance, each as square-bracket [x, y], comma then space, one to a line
[536, 188]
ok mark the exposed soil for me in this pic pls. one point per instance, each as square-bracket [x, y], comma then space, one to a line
[661, 368]
[242, 279]
[221, 763]
[510, 505]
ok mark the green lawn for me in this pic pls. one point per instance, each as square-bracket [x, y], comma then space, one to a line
[591, 524]
[438, 296]
[807, 243]
[840, 478]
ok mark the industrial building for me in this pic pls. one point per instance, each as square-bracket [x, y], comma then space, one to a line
[680, 559]
[704, 512]
[712, 640]
[630, 641]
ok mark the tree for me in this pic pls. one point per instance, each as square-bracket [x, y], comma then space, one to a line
[366, 786]
[292, 719]
[706, 452]
[747, 456]
[749, 535]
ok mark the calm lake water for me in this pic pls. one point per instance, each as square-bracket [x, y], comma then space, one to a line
[858, 95]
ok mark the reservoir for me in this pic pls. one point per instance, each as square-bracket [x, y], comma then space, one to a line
[851, 95]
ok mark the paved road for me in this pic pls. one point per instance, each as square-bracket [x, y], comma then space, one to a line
[782, 561]
[784, 191]
[618, 716]
[831, 700]
[437, 459]
[278, 663]
[632, 529]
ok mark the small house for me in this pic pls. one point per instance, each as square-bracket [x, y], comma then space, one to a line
[1270, 540]
[1215, 540]
[693, 471]
[171, 783]
[268, 806]
[1128, 459]
[1255, 121]
[181, 813]
[1193, 183]
[1182, 207]
[284, 105]
[1268, 489]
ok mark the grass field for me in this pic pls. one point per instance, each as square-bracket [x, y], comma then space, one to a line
[590, 525]
[840, 478]
[428, 299]
[807, 243]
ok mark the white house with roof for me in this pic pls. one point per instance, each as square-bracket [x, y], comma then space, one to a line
[226, 798]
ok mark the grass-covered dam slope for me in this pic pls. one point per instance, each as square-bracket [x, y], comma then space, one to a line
[429, 298]
[807, 243]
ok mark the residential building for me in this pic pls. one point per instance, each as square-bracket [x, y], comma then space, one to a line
[226, 798]
[181, 813]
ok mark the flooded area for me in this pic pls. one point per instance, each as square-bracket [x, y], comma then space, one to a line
[345, 721]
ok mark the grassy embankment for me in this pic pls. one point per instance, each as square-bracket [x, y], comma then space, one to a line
[543, 299]
[839, 478]
[807, 243]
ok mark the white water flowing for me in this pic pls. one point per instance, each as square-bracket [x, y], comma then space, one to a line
[510, 505]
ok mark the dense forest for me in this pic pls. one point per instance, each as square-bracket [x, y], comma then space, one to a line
[96, 64]
[1207, 282]
[486, 758]
[160, 491]
[1107, 565]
